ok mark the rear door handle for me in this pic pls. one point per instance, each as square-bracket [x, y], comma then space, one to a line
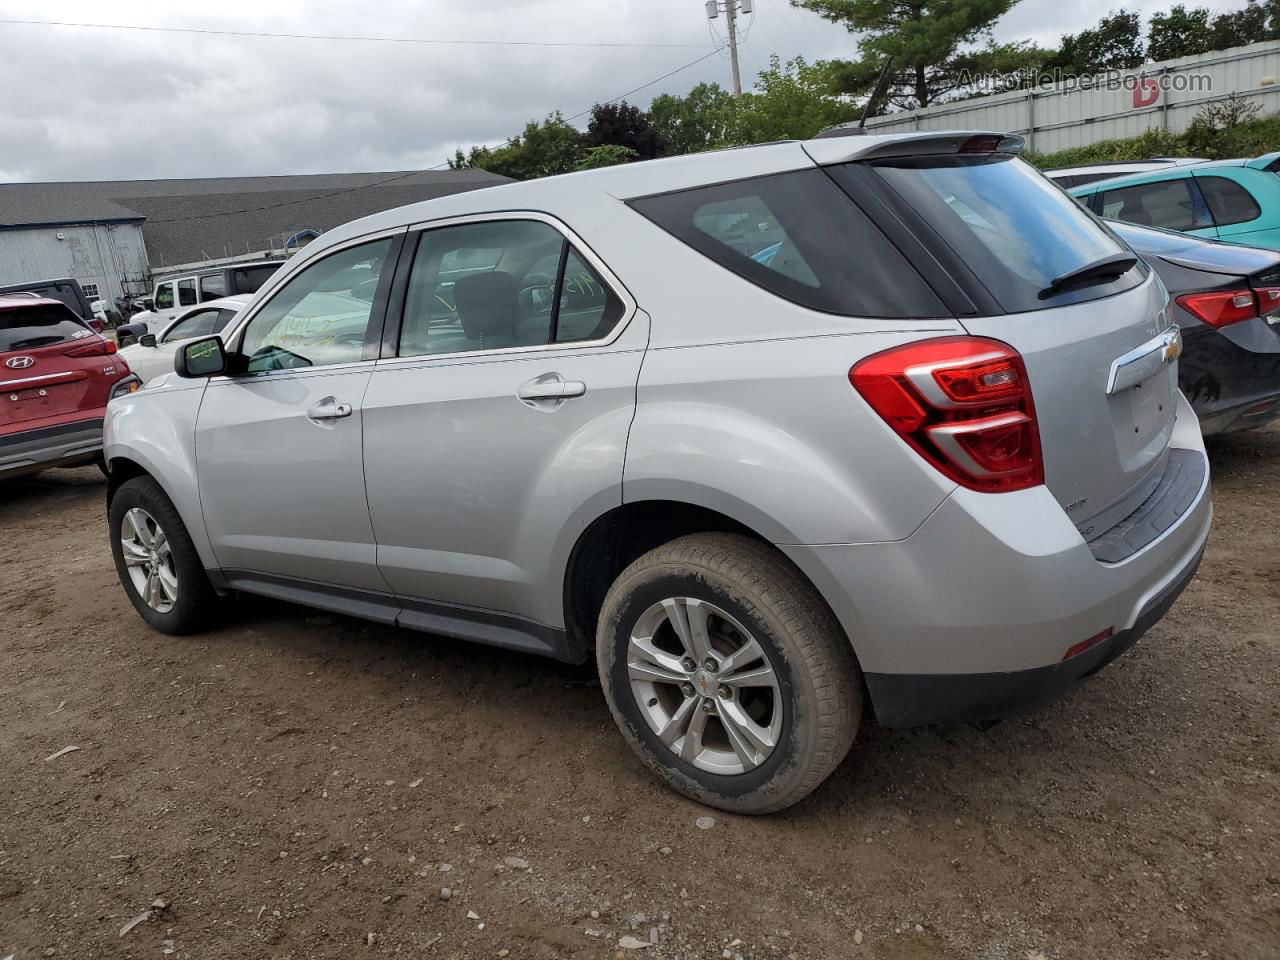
[550, 386]
[329, 409]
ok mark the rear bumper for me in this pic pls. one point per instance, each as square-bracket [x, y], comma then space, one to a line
[978, 607]
[911, 700]
[61, 445]
[1231, 376]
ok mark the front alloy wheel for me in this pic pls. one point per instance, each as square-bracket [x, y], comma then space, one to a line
[148, 558]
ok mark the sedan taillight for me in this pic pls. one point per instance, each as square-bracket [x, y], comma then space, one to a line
[1222, 308]
[964, 404]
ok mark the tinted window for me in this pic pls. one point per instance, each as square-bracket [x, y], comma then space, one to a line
[164, 296]
[481, 286]
[202, 323]
[28, 328]
[186, 293]
[1228, 201]
[1012, 227]
[798, 236]
[1166, 203]
[250, 279]
[589, 310]
[212, 287]
[321, 316]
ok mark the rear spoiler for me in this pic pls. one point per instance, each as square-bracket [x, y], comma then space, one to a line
[838, 146]
[1268, 161]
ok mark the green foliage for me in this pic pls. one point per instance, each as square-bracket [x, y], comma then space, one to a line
[1178, 33]
[1114, 44]
[790, 101]
[700, 120]
[543, 150]
[926, 38]
[1247, 138]
[606, 155]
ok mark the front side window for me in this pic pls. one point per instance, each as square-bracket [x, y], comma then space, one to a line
[800, 237]
[202, 323]
[1171, 204]
[212, 287]
[1228, 201]
[187, 293]
[321, 316]
[164, 296]
[481, 286]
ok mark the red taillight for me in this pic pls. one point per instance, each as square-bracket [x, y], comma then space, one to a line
[1221, 308]
[1268, 299]
[964, 404]
[101, 347]
[983, 143]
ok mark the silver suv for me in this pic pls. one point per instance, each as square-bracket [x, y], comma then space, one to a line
[767, 433]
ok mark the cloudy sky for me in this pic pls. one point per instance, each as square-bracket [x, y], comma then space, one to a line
[83, 104]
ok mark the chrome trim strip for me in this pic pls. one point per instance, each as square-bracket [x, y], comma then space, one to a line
[1144, 361]
[65, 375]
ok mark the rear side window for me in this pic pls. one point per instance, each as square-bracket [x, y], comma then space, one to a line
[1014, 229]
[29, 328]
[1171, 204]
[799, 236]
[250, 279]
[213, 287]
[1228, 201]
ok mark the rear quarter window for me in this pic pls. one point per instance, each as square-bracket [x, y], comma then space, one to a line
[1228, 201]
[797, 235]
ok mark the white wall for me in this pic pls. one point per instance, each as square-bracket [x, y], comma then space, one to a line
[105, 254]
[1055, 118]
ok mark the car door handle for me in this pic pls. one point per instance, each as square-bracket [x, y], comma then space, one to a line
[329, 409]
[551, 386]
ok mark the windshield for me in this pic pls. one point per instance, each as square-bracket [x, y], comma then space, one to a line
[1028, 231]
[37, 326]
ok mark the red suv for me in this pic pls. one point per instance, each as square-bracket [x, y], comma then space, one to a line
[56, 377]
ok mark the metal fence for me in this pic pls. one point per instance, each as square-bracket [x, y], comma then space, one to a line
[1126, 103]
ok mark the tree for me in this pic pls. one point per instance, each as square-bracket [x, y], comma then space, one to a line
[1178, 33]
[1114, 44]
[605, 155]
[924, 37]
[543, 150]
[1257, 21]
[623, 125]
[701, 119]
[789, 102]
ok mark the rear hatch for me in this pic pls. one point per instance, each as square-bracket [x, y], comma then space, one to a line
[1034, 270]
[51, 365]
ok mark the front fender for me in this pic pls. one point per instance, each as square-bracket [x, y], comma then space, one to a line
[156, 428]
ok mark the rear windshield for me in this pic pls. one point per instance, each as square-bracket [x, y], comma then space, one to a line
[1027, 231]
[799, 236]
[40, 326]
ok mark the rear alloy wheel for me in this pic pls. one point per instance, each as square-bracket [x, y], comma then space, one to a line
[727, 674]
[156, 560]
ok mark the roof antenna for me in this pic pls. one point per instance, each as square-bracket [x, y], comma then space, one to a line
[876, 92]
[860, 129]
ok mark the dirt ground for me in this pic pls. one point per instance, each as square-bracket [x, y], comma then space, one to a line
[294, 785]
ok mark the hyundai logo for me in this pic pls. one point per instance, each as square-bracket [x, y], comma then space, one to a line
[20, 363]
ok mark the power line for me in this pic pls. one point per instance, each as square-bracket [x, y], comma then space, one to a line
[357, 39]
[411, 173]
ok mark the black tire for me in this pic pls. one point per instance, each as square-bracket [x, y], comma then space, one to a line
[818, 678]
[196, 601]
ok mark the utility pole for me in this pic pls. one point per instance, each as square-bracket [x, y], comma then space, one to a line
[731, 10]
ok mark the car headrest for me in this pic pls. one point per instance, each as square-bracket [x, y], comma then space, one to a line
[487, 303]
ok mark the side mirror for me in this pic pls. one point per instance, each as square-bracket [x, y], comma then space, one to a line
[148, 303]
[147, 340]
[201, 358]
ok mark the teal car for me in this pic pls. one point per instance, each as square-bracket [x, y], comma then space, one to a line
[1237, 201]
